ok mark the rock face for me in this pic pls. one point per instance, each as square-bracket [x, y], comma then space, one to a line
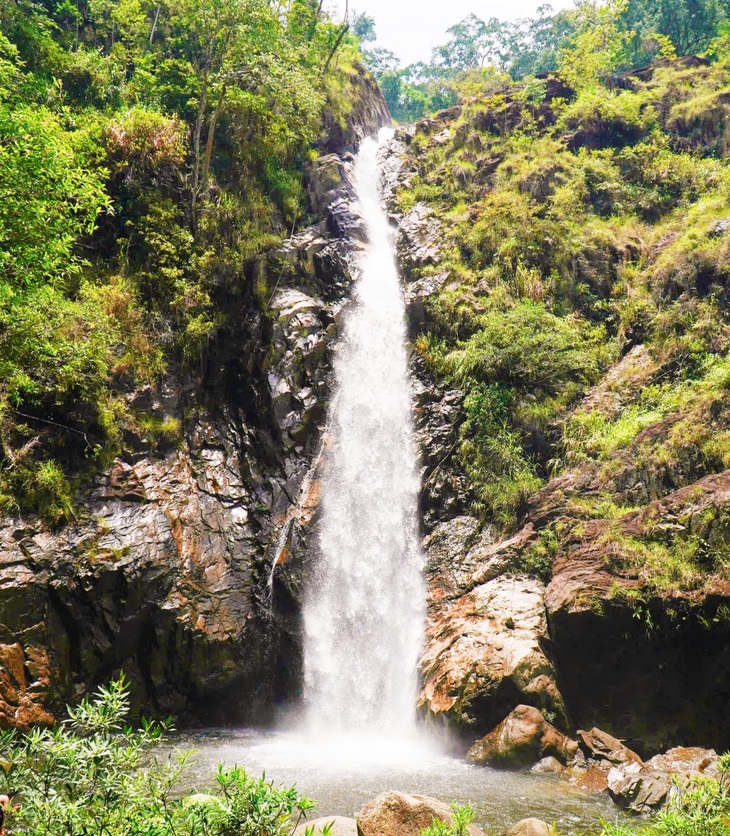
[398, 814]
[486, 649]
[167, 575]
[620, 673]
[521, 739]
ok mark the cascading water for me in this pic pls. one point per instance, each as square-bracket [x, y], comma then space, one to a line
[365, 609]
[364, 614]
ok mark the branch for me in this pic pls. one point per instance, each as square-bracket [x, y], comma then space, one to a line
[343, 32]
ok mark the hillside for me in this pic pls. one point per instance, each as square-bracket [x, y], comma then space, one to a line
[567, 254]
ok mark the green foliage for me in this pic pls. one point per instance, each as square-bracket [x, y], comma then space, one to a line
[598, 46]
[521, 366]
[49, 200]
[462, 817]
[148, 153]
[94, 775]
[577, 228]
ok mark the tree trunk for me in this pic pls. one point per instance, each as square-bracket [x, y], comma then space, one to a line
[196, 148]
[154, 23]
[211, 136]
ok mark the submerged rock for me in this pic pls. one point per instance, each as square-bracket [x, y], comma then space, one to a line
[548, 765]
[398, 814]
[520, 739]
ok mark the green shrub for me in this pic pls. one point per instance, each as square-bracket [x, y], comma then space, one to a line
[458, 826]
[93, 775]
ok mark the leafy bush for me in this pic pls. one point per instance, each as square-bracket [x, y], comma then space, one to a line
[458, 826]
[94, 775]
[49, 200]
[608, 119]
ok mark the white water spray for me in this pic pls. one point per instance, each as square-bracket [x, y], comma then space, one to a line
[365, 610]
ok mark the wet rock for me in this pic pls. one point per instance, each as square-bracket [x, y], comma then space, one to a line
[520, 739]
[594, 779]
[417, 294]
[445, 490]
[398, 814]
[638, 791]
[548, 765]
[603, 746]
[686, 762]
[486, 649]
[419, 238]
[529, 827]
[340, 826]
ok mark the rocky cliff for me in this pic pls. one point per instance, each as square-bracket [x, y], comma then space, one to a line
[597, 592]
[167, 574]
[601, 594]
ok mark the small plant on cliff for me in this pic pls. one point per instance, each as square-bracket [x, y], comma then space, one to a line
[93, 775]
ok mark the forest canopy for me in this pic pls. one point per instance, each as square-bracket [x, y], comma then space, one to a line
[148, 152]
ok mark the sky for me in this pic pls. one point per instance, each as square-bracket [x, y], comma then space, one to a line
[412, 28]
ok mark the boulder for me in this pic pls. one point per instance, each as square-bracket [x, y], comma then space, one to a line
[520, 739]
[529, 827]
[398, 814]
[637, 790]
[548, 765]
[685, 762]
[341, 826]
[603, 746]
[487, 649]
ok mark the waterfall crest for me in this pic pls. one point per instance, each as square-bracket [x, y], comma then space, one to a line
[365, 608]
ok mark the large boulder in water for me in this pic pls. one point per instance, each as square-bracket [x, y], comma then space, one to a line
[487, 643]
[398, 814]
[520, 739]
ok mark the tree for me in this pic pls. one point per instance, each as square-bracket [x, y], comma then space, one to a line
[473, 43]
[599, 46]
[363, 25]
[380, 61]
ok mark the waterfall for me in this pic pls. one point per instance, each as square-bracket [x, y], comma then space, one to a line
[364, 610]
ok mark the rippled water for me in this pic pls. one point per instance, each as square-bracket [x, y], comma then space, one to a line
[343, 775]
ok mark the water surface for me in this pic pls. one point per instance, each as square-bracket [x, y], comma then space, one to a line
[347, 773]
